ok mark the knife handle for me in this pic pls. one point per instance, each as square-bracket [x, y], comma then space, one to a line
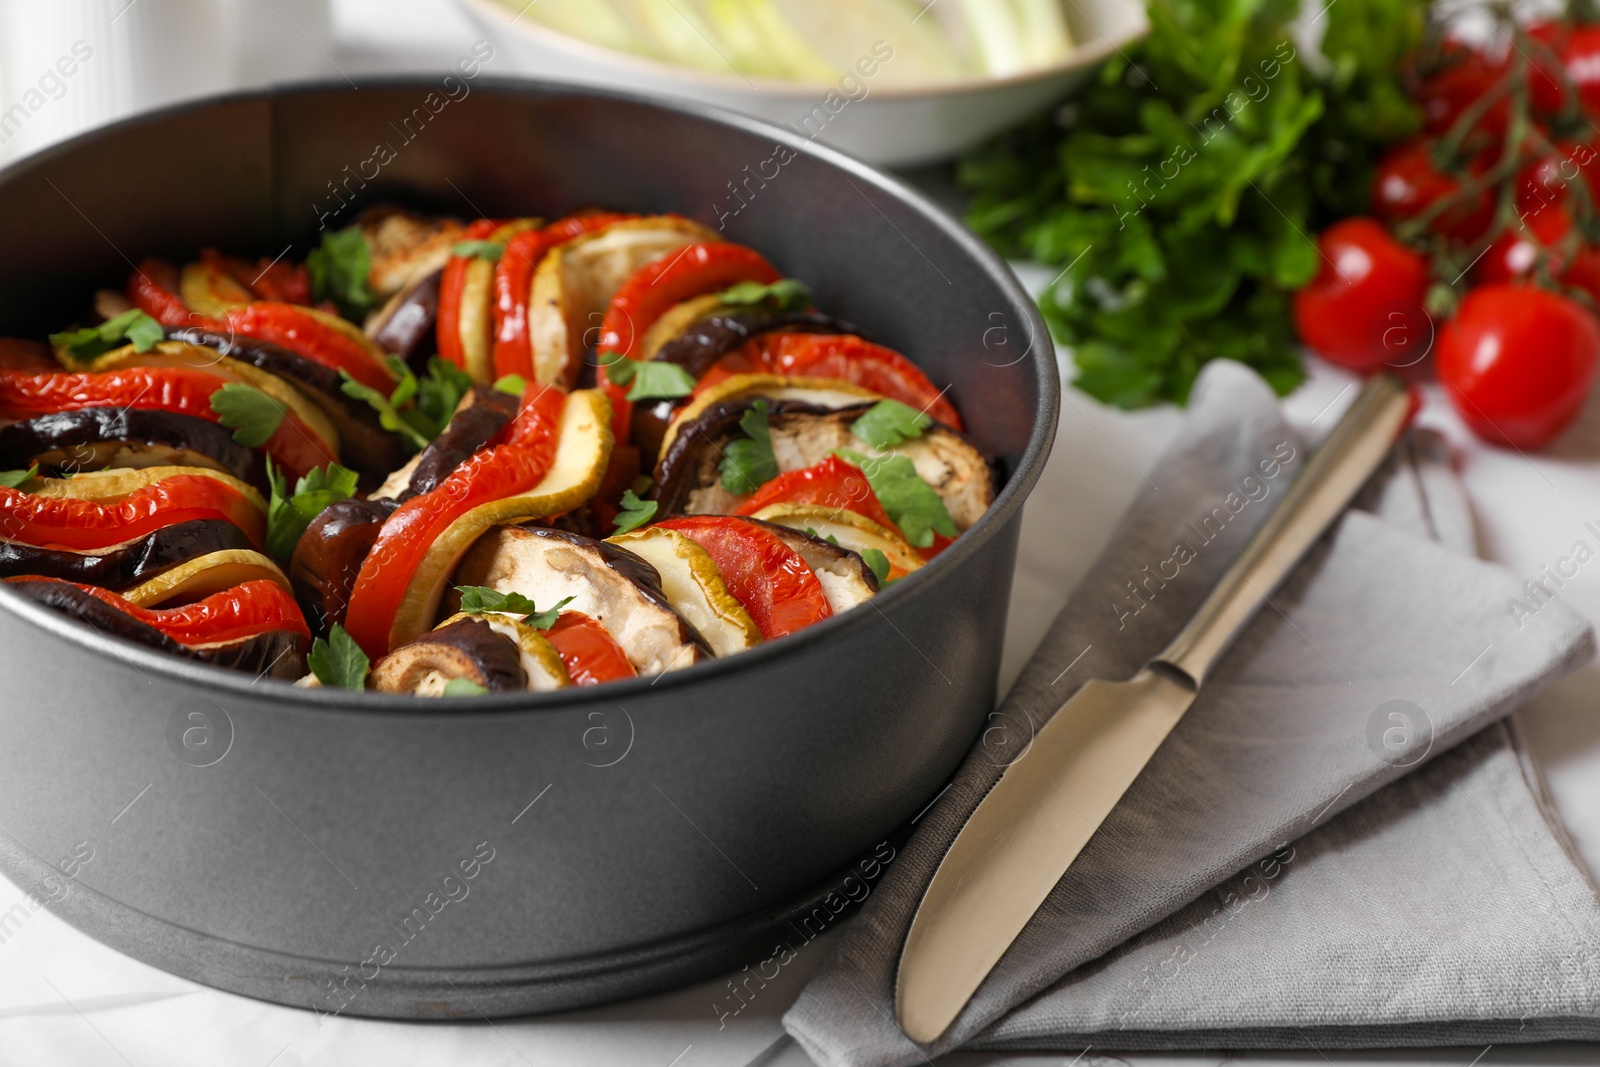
[1353, 451]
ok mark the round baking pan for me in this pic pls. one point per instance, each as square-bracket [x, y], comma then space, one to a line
[376, 855]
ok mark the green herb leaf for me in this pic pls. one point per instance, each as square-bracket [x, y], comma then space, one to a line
[438, 393]
[785, 294]
[911, 503]
[388, 417]
[650, 379]
[515, 384]
[339, 662]
[288, 514]
[490, 250]
[463, 687]
[889, 423]
[748, 463]
[481, 600]
[1176, 200]
[132, 327]
[635, 512]
[878, 564]
[252, 415]
[13, 479]
[339, 270]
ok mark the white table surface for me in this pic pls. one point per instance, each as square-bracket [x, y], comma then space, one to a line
[65, 999]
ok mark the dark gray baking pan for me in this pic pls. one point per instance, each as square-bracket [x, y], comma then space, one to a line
[377, 856]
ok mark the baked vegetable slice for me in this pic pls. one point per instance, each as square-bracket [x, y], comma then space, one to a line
[605, 582]
[491, 653]
[100, 509]
[251, 627]
[125, 564]
[691, 581]
[768, 578]
[846, 578]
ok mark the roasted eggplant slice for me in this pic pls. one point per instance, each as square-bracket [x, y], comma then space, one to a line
[130, 563]
[328, 558]
[95, 438]
[271, 653]
[363, 442]
[463, 647]
[609, 584]
[691, 581]
[846, 579]
[479, 417]
[846, 529]
[405, 325]
[688, 480]
[576, 281]
[822, 393]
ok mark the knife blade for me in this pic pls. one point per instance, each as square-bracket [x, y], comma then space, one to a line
[1032, 825]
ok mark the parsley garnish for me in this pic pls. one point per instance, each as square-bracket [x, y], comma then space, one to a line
[418, 409]
[481, 600]
[650, 379]
[515, 384]
[490, 250]
[463, 687]
[13, 479]
[878, 564]
[786, 294]
[912, 504]
[252, 415]
[339, 662]
[132, 326]
[288, 514]
[748, 463]
[635, 512]
[339, 270]
[889, 422]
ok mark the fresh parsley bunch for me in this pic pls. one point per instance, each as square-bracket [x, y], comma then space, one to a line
[1180, 195]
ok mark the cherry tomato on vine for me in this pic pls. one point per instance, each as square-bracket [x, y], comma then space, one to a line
[1364, 307]
[1581, 56]
[1584, 273]
[1408, 184]
[1518, 362]
[1515, 253]
[1468, 75]
[1548, 181]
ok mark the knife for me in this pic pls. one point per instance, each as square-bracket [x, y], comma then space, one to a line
[1031, 826]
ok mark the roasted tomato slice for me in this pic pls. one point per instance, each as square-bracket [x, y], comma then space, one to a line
[590, 653]
[70, 522]
[697, 270]
[513, 286]
[154, 288]
[833, 483]
[316, 335]
[237, 613]
[294, 445]
[466, 301]
[495, 472]
[768, 577]
[841, 356]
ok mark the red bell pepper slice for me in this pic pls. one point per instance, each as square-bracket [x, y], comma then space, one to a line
[501, 470]
[513, 286]
[68, 522]
[319, 339]
[590, 653]
[451, 282]
[270, 279]
[842, 356]
[247, 610]
[153, 289]
[695, 270]
[768, 577]
[294, 445]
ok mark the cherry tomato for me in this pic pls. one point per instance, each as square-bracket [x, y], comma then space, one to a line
[74, 523]
[1547, 182]
[1407, 184]
[1581, 56]
[768, 577]
[590, 653]
[1467, 76]
[1518, 362]
[842, 356]
[1584, 273]
[1364, 307]
[1516, 252]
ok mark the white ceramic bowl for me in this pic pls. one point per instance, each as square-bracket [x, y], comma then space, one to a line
[890, 126]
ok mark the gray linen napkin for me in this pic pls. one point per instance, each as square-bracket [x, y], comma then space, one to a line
[1383, 651]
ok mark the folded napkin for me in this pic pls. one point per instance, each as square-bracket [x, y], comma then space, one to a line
[1202, 913]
